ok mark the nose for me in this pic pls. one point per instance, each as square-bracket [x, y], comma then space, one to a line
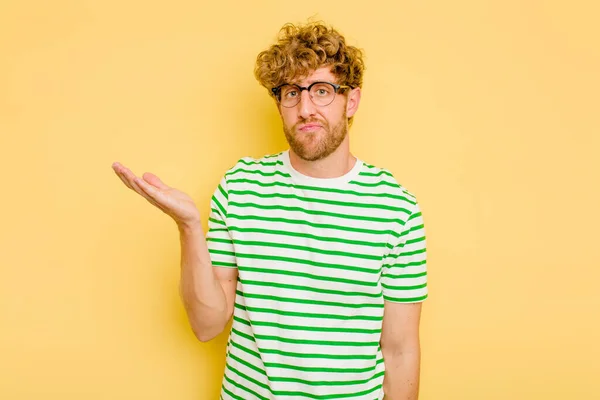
[307, 108]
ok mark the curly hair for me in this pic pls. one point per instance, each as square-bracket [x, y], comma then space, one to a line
[305, 48]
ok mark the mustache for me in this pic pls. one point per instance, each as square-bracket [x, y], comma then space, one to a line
[311, 121]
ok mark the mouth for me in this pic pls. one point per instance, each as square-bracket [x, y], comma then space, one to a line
[309, 128]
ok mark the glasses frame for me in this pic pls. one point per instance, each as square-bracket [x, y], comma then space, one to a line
[277, 92]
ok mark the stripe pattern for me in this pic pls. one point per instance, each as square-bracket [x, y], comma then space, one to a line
[317, 259]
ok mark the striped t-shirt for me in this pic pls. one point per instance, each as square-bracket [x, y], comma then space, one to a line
[316, 259]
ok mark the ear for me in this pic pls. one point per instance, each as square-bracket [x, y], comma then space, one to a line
[353, 101]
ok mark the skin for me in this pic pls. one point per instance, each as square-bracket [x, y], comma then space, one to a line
[208, 293]
[320, 148]
[324, 153]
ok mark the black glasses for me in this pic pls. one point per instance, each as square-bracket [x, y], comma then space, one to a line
[320, 93]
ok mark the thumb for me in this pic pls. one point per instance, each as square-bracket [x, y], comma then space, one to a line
[154, 181]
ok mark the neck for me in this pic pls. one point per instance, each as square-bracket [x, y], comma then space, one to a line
[337, 164]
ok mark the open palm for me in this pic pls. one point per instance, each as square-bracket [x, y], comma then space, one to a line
[171, 201]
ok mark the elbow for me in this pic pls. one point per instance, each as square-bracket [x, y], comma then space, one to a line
[207, 332]
[203, 337]
[209, 323]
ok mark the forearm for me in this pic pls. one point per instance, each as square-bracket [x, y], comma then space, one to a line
[202, 294]
[402, 370]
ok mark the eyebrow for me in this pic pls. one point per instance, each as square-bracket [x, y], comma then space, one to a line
[313, 81]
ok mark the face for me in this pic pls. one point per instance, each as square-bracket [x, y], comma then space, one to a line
[314, 132]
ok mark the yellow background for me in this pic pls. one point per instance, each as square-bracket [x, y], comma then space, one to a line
[487, 110]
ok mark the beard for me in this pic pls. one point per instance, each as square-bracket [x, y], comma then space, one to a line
[313, 146]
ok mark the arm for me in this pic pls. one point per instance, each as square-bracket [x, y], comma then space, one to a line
[208, 292]
[401, 350]
[404, 282]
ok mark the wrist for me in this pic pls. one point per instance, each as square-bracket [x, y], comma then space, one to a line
[190, 227]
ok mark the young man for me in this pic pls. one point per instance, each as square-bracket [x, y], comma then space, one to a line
[317, 255]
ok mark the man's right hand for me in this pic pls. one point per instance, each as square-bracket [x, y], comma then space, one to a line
[172, 202]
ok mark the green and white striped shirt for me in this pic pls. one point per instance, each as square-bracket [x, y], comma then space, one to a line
[316, 258]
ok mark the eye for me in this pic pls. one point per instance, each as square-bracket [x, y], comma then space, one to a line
[289, 92]
[322, 90]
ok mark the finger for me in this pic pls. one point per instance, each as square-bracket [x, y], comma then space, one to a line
[153, 202]
[150, 191]
[138, 188]
[129, 179]
[155, 181]
[123, 179]
[119, 171]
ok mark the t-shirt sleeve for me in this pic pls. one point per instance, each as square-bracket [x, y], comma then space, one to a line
[404, 273]
[218, 238]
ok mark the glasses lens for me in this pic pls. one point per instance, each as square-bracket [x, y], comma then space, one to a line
[289, 95]
[322, 94]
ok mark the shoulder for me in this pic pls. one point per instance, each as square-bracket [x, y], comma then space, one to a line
[251, 165]
[256, 171]
[384, 182]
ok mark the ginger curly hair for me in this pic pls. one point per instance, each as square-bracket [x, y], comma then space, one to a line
[305, 48]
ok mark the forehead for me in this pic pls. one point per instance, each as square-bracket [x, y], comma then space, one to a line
[321, 74]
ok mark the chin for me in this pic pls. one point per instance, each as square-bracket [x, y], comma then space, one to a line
[312, 154]
[310, 157]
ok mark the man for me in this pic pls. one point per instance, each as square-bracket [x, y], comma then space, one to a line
[318, 256]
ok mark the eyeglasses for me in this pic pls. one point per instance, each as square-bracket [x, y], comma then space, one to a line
[320, 93]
